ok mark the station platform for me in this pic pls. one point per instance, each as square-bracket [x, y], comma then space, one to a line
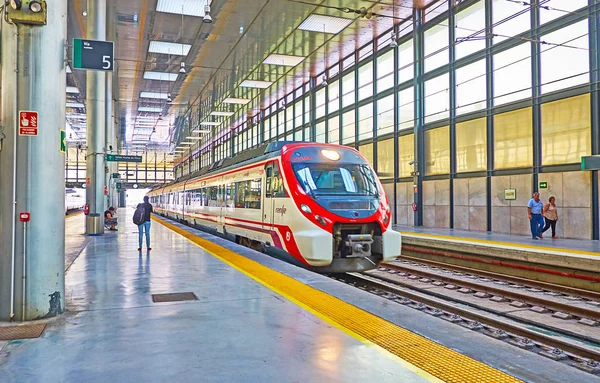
[252, 319]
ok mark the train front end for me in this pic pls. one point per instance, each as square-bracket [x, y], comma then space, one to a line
[336, 189]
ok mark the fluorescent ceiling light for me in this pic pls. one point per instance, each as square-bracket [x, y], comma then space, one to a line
[210, 123]
[256, 84]
[325, 24]
[169, 48]
[285, 60]
[222, 114]
[187, 7]
[201, 131]
[154, 95]
[162, 76]
[238, 101]
[75, 105]
[72, 89]
[193, 138]
[149, 109]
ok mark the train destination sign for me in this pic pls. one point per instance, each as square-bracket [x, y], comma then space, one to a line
[122, 158]
[93, 54]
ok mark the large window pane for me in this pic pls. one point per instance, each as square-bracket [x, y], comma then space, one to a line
[510, 19]
[437, 151]
[470, 88]
[471, 153]
[385, 158]
[565, 66]
[333, 128]
[437, 98]
[367, 152]
[513, 143]
[551, 14]
[405, 61]
[512, 74]
[333, 95]
[365, 81]
[406, 108]
[468, 23]
[365, 122]
[566, 130]
[349, 126]
[436, 40]
[406, 154]
[348, 89]
[298, 114]
[320, 132]
[385, 115]
[320, 102]
[385, 71]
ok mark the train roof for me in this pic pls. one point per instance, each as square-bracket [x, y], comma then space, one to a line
[262, 152]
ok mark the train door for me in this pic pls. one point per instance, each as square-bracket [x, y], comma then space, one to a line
[269, 204]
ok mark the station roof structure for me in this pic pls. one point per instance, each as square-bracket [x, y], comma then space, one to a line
[169, 61]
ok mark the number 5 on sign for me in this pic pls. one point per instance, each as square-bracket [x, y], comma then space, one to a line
[106, 62]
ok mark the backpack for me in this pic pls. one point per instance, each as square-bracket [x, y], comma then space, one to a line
[140, 213]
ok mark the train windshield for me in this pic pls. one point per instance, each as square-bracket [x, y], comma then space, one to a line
[336, 179]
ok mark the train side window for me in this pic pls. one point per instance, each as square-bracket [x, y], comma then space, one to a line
[278, 189]
[268, 174]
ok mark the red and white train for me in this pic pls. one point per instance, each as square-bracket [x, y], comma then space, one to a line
[318, 206]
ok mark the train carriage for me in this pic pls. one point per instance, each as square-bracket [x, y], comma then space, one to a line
[319, 206]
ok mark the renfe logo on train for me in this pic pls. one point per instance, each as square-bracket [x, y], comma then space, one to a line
[281, 210]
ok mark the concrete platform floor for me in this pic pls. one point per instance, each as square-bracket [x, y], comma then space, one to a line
[559, 244]
[237, 330]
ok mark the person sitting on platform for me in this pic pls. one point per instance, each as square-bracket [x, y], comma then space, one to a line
[110, 219]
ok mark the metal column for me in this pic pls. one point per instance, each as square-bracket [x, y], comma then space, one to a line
[32, 169]
[96, 118]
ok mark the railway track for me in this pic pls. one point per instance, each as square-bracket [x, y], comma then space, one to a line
[558, 322]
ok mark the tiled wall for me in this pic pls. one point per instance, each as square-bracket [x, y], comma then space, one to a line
[573, 193]
[508, 216]
[470, 212]
[436, 203]
[404, 200]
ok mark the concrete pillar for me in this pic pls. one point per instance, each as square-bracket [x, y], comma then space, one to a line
[96, 119]
[32, 169]
[111, 108]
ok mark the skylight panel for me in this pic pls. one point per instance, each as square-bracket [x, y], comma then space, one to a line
[325, 24]
[154, 95]
[162, 76]
[285, 60]
[169, 48]
[187, 7]
[256, 84]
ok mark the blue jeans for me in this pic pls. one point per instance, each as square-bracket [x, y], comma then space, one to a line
[536, 223]
[141, 228]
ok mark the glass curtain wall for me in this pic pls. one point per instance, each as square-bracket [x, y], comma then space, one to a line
[494, 86]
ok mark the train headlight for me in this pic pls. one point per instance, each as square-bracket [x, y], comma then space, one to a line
[386, 220]
[330, 154]
[306, 209]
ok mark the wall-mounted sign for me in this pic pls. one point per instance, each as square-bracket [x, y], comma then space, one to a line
[543, 185]
[93, 54]
[510, 194]
[63, 141]
[28, 123]
[122, 158]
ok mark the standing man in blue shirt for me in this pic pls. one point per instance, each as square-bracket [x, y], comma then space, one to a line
[534, 211]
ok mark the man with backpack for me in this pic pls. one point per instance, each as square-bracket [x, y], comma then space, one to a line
[141, 218]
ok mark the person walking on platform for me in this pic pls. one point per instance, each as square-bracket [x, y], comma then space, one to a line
[534, 212]
[551, 216]
[141, 218]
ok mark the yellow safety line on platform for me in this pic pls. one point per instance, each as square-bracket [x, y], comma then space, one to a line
[507, 244]
[416, 353]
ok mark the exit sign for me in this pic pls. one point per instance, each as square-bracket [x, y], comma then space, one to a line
[122, 158]
[93, 54]
[543, 185]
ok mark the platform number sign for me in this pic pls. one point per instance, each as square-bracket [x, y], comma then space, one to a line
[28, 123]
[93, 54]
